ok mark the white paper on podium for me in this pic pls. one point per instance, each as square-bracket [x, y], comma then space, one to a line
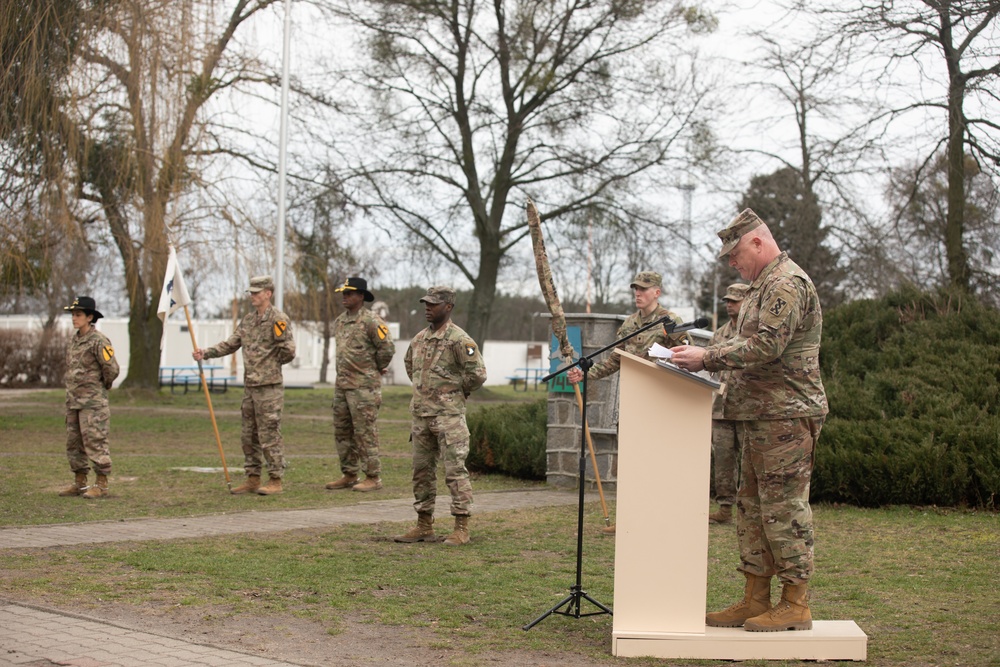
[657, 351]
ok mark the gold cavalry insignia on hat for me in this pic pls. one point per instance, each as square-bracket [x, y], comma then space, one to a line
[777, 307]
[470, 350]
[108, 352]
[383, 331]
[279, 329]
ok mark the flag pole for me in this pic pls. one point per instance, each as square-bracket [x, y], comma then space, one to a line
[208, 397]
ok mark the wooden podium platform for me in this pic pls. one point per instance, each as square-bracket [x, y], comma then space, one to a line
[661, 542]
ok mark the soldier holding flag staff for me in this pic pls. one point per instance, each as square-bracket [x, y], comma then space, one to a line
[265, 334]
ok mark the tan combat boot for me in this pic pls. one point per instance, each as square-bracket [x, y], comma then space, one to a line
[422, 532]
[345, 482]
[608, 530]
[724, 515]
[272, 488]
[77, 487]
[370, 484]
[249, 486]
[460, 535]
[98, 489]
[791, 612]
[756, 600]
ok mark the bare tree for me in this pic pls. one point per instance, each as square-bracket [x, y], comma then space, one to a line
[36, 38]
[320, 231]
[920, 38]
[919, 197]
[128, 133]
[604, 251]
[470, 105]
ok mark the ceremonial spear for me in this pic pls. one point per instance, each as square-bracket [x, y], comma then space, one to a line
[559, 329]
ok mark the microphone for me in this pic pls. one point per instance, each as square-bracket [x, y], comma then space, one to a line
[699, 323]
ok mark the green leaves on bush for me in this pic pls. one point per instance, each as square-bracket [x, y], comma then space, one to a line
[913, 382]
[509, 438]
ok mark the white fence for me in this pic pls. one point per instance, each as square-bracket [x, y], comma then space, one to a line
[503, 358]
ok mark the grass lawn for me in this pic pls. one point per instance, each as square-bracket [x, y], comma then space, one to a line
[923, 583]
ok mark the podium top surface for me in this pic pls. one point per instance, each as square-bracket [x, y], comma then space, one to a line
[674, 370]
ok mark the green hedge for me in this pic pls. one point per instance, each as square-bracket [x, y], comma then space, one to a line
[509, 439]
[913, 382]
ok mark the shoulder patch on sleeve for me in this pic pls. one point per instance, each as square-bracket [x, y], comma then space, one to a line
[279, 328]
[777, 305]
[107, 352]
[470, 350]
[382, 331]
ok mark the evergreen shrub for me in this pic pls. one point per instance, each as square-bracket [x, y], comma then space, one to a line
[509, 438]
[913, 382]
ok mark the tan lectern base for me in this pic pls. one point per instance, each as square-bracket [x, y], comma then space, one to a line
[828, 640]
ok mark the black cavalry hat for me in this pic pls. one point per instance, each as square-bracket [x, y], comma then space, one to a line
[356, 284]
[86, 304]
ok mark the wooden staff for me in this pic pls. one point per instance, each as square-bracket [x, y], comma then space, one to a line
[208, 397]
[559, 329]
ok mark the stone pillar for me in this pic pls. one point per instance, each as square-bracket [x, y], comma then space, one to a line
[565, 428]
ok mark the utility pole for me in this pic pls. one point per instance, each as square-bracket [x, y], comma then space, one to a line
[688, 189]
[279, 278]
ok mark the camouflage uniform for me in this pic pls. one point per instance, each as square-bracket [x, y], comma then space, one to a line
[267, 344]
[445, 366]
[638, 345]
[364, 350]
[776, 394]
[91, 367]
[725, 445]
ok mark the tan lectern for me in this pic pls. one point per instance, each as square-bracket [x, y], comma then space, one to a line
[661, 543]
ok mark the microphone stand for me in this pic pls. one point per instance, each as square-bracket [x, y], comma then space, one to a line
[572, 601]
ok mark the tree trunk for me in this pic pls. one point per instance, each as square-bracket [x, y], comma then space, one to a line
[144, 331]
[484, 289]
[324, 365]
[958, 264]
[144, 327]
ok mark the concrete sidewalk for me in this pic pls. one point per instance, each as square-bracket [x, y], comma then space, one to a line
[32, 636]
[400, 509]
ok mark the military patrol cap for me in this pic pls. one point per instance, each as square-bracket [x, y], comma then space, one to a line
[647, 279]
[741, 224]
[439, 294]
[736, 292]
[356, 285]
[87, 305]
[260, 283]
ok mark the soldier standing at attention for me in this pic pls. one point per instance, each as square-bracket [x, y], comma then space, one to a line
[646, 287]
[725, 444]
[91, 367]
[776, 396]
[265, 335]
[445, 366]
[364, 350]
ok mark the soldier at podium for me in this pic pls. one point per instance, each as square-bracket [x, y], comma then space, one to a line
[776, 396]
